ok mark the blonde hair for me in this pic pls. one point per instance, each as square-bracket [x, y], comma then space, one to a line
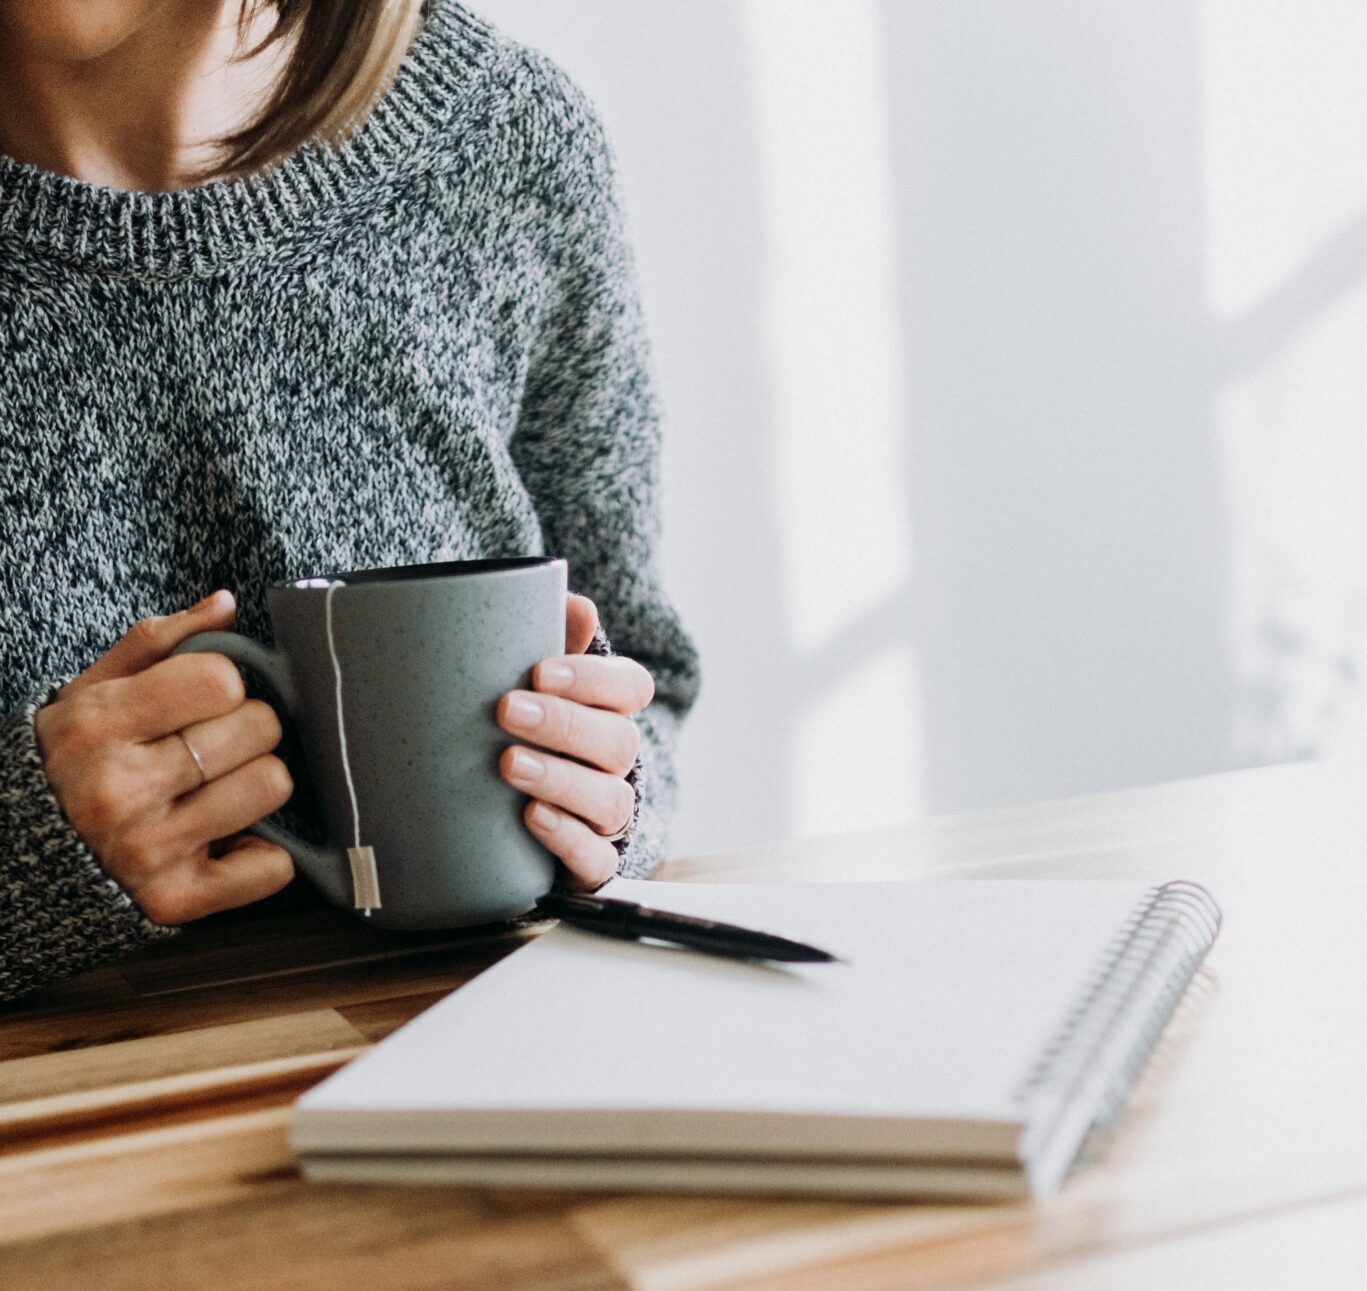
[342, 56]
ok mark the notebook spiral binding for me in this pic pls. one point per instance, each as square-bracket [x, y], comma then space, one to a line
[1105, 1041]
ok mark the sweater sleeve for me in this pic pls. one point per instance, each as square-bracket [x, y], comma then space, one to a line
[60, 913]
[588, 434]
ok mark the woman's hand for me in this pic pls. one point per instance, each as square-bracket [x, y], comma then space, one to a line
[581, 706]
[112, 747]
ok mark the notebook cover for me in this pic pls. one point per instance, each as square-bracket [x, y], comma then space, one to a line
[925, 1047]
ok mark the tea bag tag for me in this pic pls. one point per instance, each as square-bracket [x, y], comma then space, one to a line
[365, 879]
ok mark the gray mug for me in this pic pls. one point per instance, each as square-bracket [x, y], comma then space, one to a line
[392, 677]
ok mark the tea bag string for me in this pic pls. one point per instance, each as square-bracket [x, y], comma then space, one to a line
[365, 878]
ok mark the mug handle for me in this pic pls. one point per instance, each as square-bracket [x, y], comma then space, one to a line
[327, 866]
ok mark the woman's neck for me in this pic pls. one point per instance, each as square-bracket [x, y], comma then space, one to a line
[128, 93]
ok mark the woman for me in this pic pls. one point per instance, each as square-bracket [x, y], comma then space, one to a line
[287, 287]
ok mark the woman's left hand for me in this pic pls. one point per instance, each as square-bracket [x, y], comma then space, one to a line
[581, 706]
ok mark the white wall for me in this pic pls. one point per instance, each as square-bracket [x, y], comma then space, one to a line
[1013, 363]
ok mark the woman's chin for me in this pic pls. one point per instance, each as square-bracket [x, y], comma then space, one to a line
[78, 31]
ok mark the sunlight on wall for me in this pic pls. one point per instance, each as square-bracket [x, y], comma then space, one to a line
[1285, 127]
[832, 340]
[1282, 118]
[830, 308]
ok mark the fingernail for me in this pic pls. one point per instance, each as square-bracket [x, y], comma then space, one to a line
[219, 599]
[527, 766]
[545, 817]
[556, 676]
[525, 712]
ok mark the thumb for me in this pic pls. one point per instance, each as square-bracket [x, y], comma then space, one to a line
[249, 870]
[149, 641]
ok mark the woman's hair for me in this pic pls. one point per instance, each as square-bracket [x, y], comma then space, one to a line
[342, 54]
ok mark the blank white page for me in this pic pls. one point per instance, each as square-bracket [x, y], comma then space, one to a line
[952, 990]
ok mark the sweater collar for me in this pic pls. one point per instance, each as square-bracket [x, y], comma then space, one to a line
[200, 230]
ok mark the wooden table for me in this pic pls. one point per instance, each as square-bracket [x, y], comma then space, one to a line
[143, 1107]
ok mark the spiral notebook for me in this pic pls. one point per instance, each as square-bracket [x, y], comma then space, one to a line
[977, 1033]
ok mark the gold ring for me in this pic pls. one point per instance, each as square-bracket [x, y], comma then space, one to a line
[199, 761]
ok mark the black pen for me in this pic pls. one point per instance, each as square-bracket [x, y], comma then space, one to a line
[630, 922]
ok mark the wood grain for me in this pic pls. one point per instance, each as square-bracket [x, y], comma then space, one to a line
[72, 1186]
[144, 1107]
[366, 984]
[91, 1072]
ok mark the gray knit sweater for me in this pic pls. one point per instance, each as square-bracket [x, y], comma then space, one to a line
[424, 345]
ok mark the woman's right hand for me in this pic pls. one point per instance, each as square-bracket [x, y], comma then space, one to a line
[132, 790]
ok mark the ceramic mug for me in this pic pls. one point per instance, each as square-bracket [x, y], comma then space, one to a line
[391, 677]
